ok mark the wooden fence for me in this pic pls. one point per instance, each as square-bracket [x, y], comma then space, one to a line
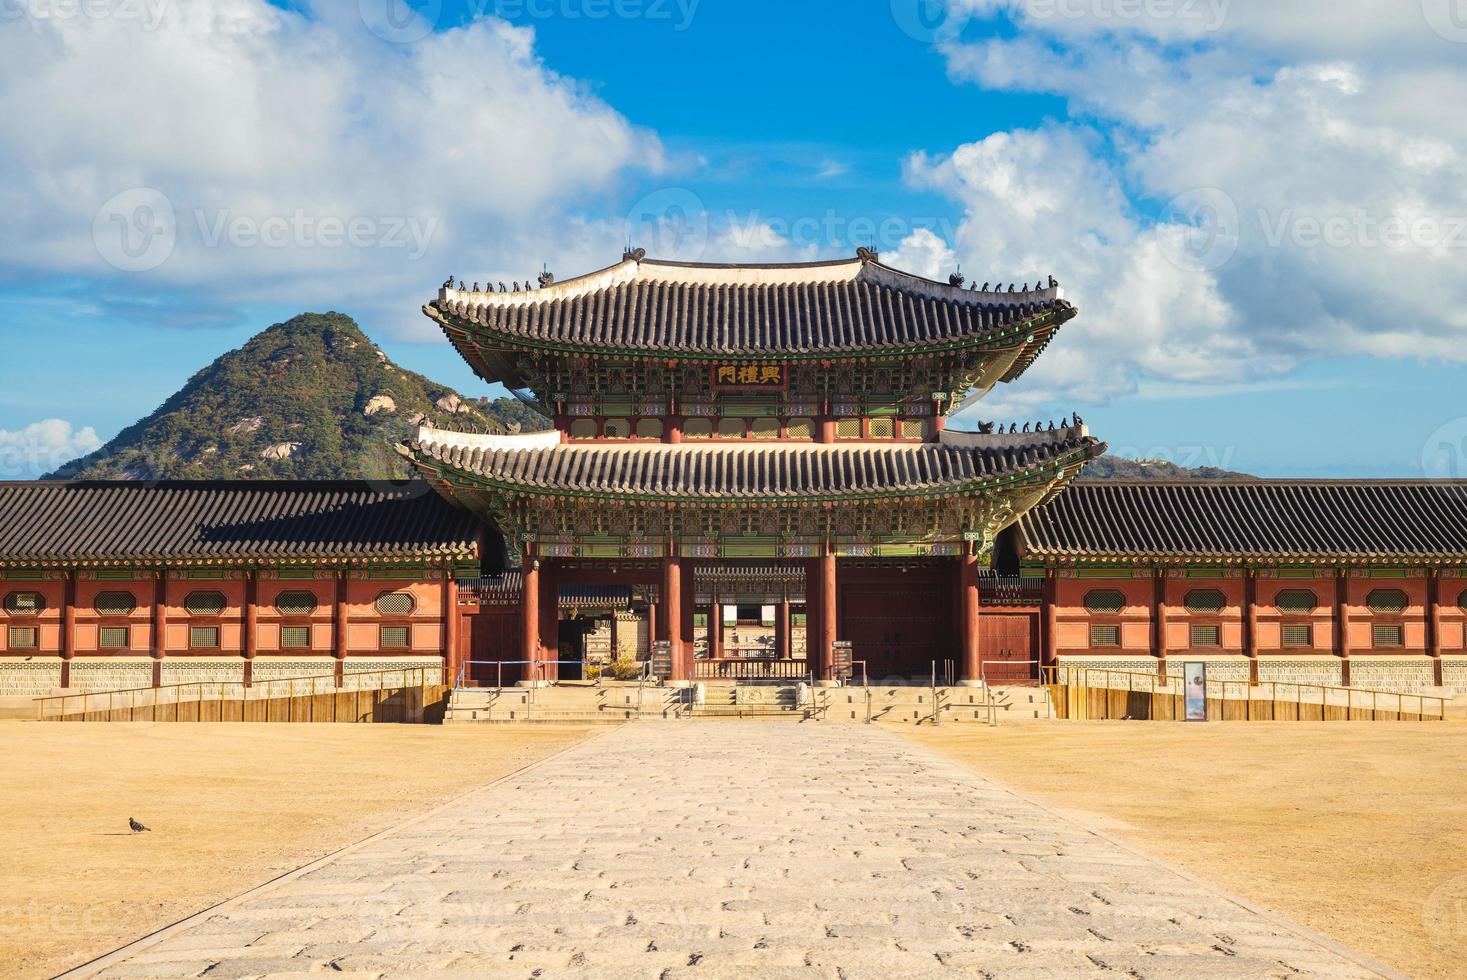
[1096, 694]
[411, 696]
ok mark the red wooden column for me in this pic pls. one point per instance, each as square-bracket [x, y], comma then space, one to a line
[782, 631]
[251, 623]
[530, 617]
[1342, 624]
[972, 666]
[341, 622]
[826, 427]
[671, 617]
[550, 619]
[1250, 622]
[452, 627]
[828, 621]
[160, 624]
[1434, 624]
[1050, 655]
[1158, 621]
[672, 430]
[715, 630]
[68, 629]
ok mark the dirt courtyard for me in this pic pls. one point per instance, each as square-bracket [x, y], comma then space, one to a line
[1357, 830]
[230, 806]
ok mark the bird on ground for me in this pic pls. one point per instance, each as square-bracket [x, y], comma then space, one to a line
[137, 828]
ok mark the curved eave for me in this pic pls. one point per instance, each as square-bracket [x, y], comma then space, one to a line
[1235, 559]
[473, 340]
[1061, 467]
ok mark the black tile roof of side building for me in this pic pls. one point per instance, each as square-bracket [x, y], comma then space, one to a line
[1356, 520]
[43, 523]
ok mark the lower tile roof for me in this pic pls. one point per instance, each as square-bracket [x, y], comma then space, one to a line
[1362, 520]
[55, 523]
[718, 472]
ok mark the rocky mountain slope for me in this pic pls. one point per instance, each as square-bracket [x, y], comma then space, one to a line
[312, 398]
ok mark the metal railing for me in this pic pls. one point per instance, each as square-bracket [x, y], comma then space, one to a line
[150, 699]
[988, 691]
[538, 671]
[751, 669]
[1323, 695]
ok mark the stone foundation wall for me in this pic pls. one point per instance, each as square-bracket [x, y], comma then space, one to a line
[274, 668]
[1454, 674]
[180, 671]
[111, 673]
[1392, 673]
[1323, 671]
[20, 676]
[408, 665]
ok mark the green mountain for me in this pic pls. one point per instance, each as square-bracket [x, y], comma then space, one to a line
[1119, 468]
[312, 398]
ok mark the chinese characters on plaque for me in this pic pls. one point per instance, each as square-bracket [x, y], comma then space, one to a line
[749, 376]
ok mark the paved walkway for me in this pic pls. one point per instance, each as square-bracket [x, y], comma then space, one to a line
[738, 849]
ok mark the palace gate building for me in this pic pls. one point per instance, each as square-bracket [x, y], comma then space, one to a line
[750, 475]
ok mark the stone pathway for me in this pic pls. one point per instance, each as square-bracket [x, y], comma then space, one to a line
[738, 849]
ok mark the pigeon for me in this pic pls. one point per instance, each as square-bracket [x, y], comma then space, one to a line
[137, 828]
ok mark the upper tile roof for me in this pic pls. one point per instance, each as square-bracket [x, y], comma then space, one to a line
[56, 523]
[652, 307]
[1362, 520]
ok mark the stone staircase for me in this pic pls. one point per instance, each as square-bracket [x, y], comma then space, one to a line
[750, 700]
[618, 702]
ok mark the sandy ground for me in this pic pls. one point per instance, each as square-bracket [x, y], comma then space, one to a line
[230, 806]
[1357, 830]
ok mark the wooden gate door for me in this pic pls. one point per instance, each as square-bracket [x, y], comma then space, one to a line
[493, 634]
[1006, 641]
[898, 629]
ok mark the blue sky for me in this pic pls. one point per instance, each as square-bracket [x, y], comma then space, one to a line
[1257, 212]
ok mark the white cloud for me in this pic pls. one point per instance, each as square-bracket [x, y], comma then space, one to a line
[1321, 141]
[42, 447]
[296, 150]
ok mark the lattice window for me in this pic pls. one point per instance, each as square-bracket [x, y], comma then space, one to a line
[649, 428]
[22, 637]
[25, 603]
[205, 604]
[764, 429]
[1388, 635]
[583, 429]
[731, 428]
[113, 638]
[115, 603]
[1105, 636]
[882, 429]
[616, 429]
[395, 603]
[698, 429]
[848, 429]
[295, 637]
[203, 637]
[1386, 601]
[800, 429]
[1298, 635]
[297, 603]
[1297, 601]
[1105, 601]
[1206, 636]
[1204, 601]
[1462, 600]
[392, 637]
[914, 428]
